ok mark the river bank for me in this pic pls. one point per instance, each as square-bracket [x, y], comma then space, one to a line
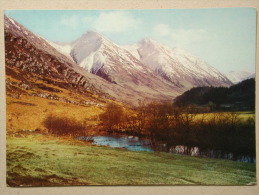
[41, 160]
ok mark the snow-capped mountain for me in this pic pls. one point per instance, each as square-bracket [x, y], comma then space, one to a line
[64, 48]
[32, 56]
[177, 65]
[238, 76]
[100, 56]
[93, 52]
[123, 64]
[146, 70]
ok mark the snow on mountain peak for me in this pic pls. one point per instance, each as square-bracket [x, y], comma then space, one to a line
[147, 69]
[95, 53]
[174, 63]
[147, 40]
[149, 44]
[91, 34]
[238, 76]
[85, 46]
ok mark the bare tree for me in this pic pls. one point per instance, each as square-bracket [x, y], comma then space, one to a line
[112, 117]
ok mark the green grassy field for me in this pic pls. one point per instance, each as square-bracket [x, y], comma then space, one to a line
[244, 115]
[40, 160]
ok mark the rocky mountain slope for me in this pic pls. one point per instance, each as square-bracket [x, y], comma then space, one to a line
[30, 58]
[95, 66]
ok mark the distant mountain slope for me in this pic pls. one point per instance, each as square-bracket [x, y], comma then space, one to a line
[176, 65]
[98, 55]
[30, 57]
[238, 76]
[95, 65]
[241, 95]
[152, 63]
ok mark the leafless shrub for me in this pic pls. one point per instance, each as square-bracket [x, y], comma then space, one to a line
[62, 125]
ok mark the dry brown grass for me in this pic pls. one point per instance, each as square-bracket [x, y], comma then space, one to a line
[29, 112]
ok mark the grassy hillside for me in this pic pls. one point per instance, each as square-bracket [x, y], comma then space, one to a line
[28, 105]
[241, 115]
[29, 112]
[36, 160]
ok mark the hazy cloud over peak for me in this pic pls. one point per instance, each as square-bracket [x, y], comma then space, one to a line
[116, 22]
[162, 29]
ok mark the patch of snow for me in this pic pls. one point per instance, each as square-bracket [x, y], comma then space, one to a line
[84, 46]
[93, 51]
[133, 49]
[99, 61]
[88, 62]
[14, 23]
[64, 49]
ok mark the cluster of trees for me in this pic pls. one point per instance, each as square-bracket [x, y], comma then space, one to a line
[171, 125]
[116, 119]
[239, 97]
[165, 123]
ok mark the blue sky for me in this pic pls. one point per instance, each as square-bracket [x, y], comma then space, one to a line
[223, 37]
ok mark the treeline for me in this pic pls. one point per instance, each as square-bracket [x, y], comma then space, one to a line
[167, 124]
[170, 125]
[237, 97]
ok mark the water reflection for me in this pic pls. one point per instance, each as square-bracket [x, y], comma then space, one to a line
[134, 143]
[194, 151]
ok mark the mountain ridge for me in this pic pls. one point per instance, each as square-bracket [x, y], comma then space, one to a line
[34, 58]
[175, 62]
[238, 76]
[102, 57]
[171, 64]
[92, 62]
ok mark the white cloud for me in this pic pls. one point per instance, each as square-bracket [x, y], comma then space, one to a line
[87, 19]
[162, 29]
[115, 22]
[193, 40]
[182, 37]
[71, 21]
[189, 35]
[106, 22]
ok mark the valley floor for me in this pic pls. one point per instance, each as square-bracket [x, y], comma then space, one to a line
[42, 160]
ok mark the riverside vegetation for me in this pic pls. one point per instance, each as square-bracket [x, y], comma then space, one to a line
[46, 151]
[55, 158]
[51, 102]
[44, 159]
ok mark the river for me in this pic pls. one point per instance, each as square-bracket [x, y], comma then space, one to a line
[134, 143]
